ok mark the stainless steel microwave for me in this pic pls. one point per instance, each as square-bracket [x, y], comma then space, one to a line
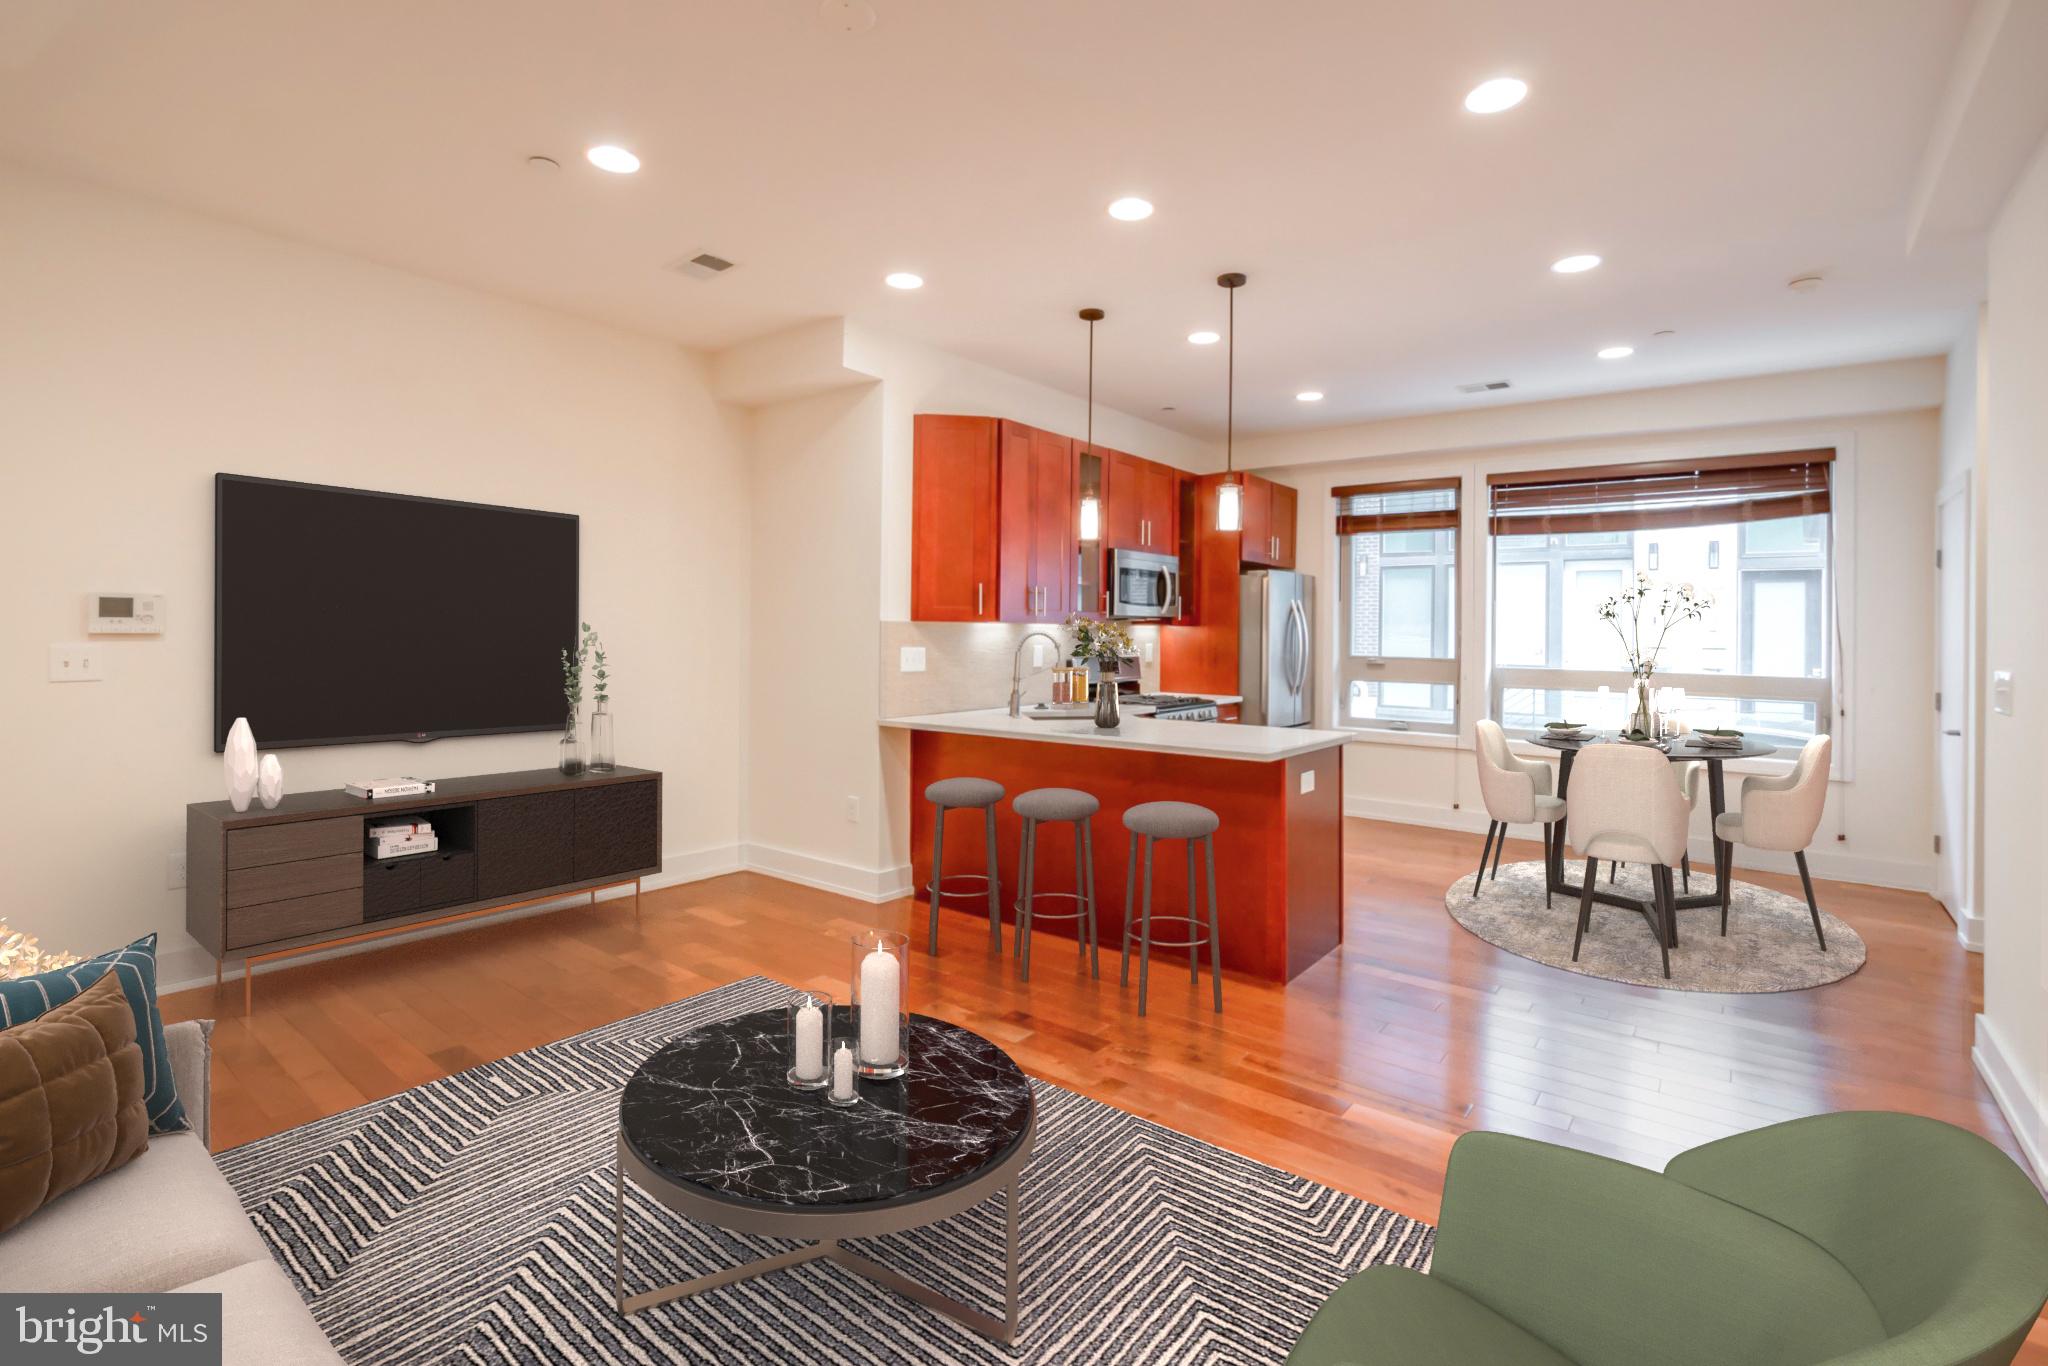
[1144, 585]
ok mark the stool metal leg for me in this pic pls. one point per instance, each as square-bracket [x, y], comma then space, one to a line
[1086, 840]
[1215, 938]
[938, 875]
[1080, 895]
[995, 889]
[1194, 950]
[1024, 866]
[1145, 929]
[1130, 907]
[1027, 875]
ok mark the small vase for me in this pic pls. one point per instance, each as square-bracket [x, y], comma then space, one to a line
[270, 782]
[1642, 716]
[238, 763]
[601, 760]
[572, 747]
[1106, 717]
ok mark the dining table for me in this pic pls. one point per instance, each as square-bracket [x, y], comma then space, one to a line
[1687, 749]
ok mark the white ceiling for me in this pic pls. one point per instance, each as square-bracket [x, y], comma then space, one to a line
[1396, 245]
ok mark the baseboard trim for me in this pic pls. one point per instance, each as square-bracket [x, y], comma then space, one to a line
[1969, 925]
[693, 865]
[2017, 1100]
[872, 885]
[1824, 863]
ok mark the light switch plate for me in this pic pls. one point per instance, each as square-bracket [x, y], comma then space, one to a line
[1308, 781]
[913, 659]
[1148, 649]
[2001, 691]
[80, 663]
[1040, 652]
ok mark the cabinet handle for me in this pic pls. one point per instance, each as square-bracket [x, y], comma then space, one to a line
[977, 599]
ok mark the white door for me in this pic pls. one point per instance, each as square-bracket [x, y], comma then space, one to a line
[1952, 715]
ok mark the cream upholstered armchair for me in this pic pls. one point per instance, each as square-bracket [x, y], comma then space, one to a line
[1781, 813]
[1516, 792]
[1626, 808]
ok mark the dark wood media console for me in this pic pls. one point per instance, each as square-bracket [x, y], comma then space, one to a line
[268, 884]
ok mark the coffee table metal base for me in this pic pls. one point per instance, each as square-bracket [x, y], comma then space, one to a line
[1006, 1176]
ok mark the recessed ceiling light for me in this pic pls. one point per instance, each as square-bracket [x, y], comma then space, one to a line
[1205, 338]
[617, 160]
[1615, 352]
[903, 279]
[1573, 265]
[1131, 208]
[1490, 97]
[1309, 396]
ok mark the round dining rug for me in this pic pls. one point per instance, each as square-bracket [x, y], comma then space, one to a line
[1769, 945]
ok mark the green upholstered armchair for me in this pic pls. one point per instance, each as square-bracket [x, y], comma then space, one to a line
[1855, 1239]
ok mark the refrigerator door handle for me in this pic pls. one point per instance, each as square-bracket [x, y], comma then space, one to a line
[1297, 620]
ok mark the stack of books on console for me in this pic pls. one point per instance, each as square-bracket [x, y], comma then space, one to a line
[398, 838]
[388, 787]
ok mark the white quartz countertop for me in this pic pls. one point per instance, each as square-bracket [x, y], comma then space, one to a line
[1203, 739]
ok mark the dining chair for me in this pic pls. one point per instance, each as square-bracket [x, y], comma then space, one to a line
[1516, 792]
[1688, 783]
[1624, 806]
[1781, 813]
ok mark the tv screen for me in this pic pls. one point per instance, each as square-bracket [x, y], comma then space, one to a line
[343, 616]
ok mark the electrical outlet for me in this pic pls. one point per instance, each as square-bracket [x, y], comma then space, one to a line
[1308, 781]
[853, 811]
[912, 661]
[78, 663]
[1147, 649]
[174, 871]
[2001, 691]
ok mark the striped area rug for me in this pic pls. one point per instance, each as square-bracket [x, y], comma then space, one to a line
[470, 1220]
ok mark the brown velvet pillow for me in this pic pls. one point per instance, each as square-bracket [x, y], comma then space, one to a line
[71, 1099]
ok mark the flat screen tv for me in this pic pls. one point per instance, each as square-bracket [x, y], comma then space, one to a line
[343, 616]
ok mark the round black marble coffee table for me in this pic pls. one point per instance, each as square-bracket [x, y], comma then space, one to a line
[711, 1127]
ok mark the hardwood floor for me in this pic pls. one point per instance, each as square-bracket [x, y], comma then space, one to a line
[1360, 1073]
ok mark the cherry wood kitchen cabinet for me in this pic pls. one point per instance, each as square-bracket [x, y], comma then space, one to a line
[1268, 536]
[1038, 504]
[1200, 653]
[954, 545]
[1284, 500]
[1142, 505]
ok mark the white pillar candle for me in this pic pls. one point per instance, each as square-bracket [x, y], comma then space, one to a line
[842, 1073]
[810, 1043]
[881, 995]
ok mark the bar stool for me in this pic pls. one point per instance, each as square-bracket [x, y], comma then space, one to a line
[1172, 821]
[1057, 804]
[965, 794]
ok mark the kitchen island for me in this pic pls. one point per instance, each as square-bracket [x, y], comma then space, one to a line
[1279, 851]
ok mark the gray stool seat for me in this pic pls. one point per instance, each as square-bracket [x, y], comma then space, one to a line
[1172, 820]
[1055, 804]
[963, 794]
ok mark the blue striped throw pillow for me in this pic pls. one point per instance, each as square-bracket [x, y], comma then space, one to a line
[25, 998]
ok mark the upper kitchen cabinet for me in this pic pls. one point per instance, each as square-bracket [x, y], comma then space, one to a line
[954, 545]
[1268, 520]
[1038, 501]
[1285, 498]
[1142, 505]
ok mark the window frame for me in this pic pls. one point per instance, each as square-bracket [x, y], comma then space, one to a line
[1446, 560]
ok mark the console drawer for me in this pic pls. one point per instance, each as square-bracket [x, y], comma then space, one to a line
[285, 881]
[392, 887]
[294, 841]
[447, 878]
[256, 925]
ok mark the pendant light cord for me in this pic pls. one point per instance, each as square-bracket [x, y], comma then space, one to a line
[1230, 392]
[1091, 386]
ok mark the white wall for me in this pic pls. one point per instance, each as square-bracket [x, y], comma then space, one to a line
[1885, 421]
[145, 349]
[2012, 1033]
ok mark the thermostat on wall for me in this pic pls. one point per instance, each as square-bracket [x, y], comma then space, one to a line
[124, 614]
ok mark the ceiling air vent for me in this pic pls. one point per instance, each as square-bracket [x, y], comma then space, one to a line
[1484, 386]
[702, 266]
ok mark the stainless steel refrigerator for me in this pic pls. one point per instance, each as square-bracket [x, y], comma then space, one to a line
[1275, 654]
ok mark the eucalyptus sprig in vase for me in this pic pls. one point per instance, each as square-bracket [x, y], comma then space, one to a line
[602, 759]
[1104, 645]
[1667, 605]
[571, 762]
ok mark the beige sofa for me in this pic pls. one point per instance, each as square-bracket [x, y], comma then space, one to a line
[169, 1221]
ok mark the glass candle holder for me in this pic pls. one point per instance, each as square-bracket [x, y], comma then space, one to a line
[842, 1071]
[808, 1022]
[881, 1025]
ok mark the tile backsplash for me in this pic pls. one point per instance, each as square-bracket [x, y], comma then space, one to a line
[967, 665]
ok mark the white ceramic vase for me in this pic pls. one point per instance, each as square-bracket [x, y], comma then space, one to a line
[238, 763]
[270, 782]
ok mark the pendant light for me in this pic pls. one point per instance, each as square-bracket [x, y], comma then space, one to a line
[1230, 493]
[1091, 501]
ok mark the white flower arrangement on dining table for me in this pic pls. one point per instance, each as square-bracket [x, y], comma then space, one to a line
[1666, 605]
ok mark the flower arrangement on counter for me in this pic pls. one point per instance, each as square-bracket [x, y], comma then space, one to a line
[21, 956]
[1102, 642]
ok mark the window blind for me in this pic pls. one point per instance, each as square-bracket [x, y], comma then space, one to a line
[1675, 493]
[1401, 505]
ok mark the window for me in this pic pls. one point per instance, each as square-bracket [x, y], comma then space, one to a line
[1398, 669]
[1565, 541]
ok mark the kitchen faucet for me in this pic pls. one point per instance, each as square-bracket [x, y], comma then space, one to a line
[1017, 669]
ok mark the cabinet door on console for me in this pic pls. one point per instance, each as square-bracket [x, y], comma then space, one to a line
[524, 844]
[618, 829]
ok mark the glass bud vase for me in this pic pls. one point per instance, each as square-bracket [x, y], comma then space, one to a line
[1642, 716]
[601, 760]
[572, 747]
